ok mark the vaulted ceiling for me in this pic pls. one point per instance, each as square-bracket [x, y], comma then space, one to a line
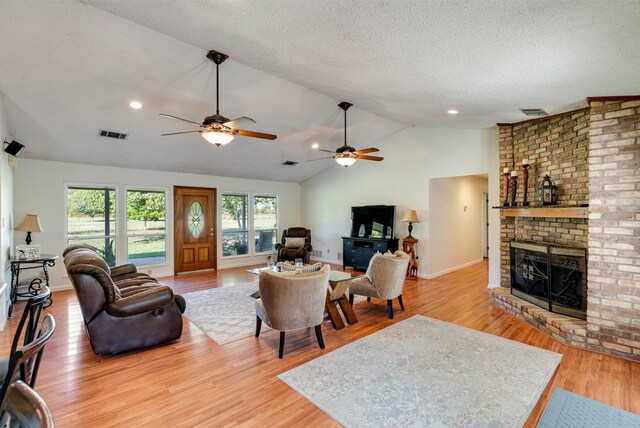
[69, 68]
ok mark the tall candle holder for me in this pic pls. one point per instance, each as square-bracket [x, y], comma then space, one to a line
[505, 173]
[525, 182]
[514, 187]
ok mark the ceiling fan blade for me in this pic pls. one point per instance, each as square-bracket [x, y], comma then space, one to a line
[176, 133]
[328, 151]
[238, 122]
[179, 118]
[313, 160]
[244, 133]
[369, 150]
[372, 158]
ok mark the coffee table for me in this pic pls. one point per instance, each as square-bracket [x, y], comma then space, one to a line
[339, 282]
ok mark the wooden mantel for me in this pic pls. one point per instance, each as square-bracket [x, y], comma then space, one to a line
[553, 212]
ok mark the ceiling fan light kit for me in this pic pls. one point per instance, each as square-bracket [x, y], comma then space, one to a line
[217, 129]
[217, 138]
[346, 159]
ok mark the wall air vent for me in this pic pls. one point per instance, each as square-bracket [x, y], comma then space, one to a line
[111, 134]
[289, 163]
[534, 112]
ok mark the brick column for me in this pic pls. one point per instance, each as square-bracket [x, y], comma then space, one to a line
[507, 228]
[613, 314]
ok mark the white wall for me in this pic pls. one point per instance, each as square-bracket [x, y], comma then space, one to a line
[6, 218]
[413, 156]
[40, 189]
[456, 223]
[494, 215]
[6, 201]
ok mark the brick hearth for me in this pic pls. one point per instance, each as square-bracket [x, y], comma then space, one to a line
[572, 331]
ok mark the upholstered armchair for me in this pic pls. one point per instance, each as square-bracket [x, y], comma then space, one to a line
[122, 317]
[384, 279]
[292, 301]
[127, 274]
[295, 244]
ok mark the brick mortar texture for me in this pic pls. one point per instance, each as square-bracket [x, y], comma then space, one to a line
[614, 234]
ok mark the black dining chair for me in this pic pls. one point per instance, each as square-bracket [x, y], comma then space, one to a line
[24, 362]
[27, 326]
[24, 408]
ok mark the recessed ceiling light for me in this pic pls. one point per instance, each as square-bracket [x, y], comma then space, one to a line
[452, 111]
[315, 146]
[135, 104]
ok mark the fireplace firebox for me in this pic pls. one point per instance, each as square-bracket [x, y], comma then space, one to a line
[552, 277]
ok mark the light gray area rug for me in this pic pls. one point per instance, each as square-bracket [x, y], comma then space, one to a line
[425, 372]
[224, 314]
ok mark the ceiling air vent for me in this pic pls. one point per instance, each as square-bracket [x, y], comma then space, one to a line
[534, 112]
[111, 134]
[289, 163]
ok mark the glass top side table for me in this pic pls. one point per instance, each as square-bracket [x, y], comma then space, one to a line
[18, 265]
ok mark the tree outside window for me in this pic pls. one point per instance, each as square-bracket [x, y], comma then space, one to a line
[235, 231]
[91, 219]
[146, 227]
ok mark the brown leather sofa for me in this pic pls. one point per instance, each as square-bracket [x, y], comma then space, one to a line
[121, 316]
[287, 253]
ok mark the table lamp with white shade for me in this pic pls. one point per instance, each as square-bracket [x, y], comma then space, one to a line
[412, 217]
[31, 223]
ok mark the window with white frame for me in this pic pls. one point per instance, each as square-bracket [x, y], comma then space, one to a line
[91, 219]
[265, 219]
[246, 219]
[235, 224]
[123, 225]
[146, 227]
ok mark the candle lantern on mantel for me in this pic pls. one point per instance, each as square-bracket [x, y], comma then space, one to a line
[548, 191]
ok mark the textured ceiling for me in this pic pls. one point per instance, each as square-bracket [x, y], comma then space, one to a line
[68, 69]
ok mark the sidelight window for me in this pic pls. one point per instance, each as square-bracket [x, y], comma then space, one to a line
[146, 227]
[235, 224]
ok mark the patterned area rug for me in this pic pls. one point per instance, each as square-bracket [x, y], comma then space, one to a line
[224, 314]
[425, 372]
[566, 409]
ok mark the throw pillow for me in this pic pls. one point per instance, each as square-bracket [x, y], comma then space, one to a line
[368, 273]
[294, 242]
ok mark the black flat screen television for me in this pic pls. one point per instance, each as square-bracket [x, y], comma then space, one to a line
[372, 221]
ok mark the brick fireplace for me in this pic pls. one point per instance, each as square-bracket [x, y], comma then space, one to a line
[592, 155]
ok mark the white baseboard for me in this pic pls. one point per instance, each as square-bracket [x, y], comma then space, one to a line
[490, 286]
[453, 269]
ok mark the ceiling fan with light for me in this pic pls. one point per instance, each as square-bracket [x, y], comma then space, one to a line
[346, 155]
[216, 128]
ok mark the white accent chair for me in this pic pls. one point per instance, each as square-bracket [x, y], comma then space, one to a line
[384, 280]
[292, 301]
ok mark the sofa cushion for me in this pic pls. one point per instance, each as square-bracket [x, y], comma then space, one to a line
[294, 242]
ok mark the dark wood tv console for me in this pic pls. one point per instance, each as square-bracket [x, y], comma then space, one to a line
[356, 252]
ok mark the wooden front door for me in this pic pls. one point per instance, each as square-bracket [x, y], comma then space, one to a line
[194, 228]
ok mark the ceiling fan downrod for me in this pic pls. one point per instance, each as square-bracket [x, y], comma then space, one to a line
[218, 58]
[345, 106]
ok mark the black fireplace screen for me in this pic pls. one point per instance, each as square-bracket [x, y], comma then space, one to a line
[551, 277]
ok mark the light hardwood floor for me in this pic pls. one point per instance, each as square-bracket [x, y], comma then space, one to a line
[195, 382]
